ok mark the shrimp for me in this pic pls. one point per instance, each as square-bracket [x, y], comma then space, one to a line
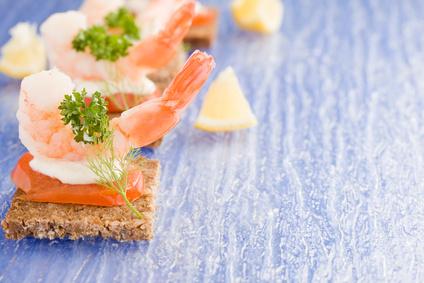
[166, 32]
[44, 134]
[58, 32]
[96, 10]
[147, 122]
[41, 130]
[164, 25]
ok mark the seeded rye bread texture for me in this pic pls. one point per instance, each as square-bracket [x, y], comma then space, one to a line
[49, 220]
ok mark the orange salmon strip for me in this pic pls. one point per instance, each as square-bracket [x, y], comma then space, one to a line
[41, 188]
[205, 17]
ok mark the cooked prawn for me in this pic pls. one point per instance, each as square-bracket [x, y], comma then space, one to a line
[147, 122]
[164, 25]
[58, 32]
[164, 32]
[96, 10]
[44, 134]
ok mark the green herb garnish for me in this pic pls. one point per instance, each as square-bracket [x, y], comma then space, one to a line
[105, 45]
[90, 125]
[112, 171]
[124, 20]
[187, 47]
[89, 121]
[102, 45]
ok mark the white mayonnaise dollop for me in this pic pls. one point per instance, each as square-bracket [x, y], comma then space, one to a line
[141, 87]
[68, 172]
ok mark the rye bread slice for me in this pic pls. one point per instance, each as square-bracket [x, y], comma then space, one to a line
[202, 36]
[51, 221]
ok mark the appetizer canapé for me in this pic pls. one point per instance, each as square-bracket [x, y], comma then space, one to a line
[105, 48]
[203, 28]
[81, 167]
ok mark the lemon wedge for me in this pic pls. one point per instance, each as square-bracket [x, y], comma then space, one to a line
[263, 16]
[24, 53]
[225, 107]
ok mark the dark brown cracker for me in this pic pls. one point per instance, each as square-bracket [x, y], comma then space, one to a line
[201, 36]
[49, 220]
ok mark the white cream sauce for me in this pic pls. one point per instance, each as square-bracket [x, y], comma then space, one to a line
[141, 87]
[68, 172]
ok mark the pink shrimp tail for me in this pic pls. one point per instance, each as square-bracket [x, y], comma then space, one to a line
[148, 122]
[189, 80]
[157, 51]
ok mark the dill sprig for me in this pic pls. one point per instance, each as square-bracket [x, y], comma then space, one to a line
[112, 170]
[90, 124]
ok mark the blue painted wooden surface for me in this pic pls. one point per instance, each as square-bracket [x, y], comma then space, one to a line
[328, 187]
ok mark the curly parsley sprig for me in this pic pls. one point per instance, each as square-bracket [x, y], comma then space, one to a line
[123, 20]
[89, 120]
[102, 45]
[105, 45]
